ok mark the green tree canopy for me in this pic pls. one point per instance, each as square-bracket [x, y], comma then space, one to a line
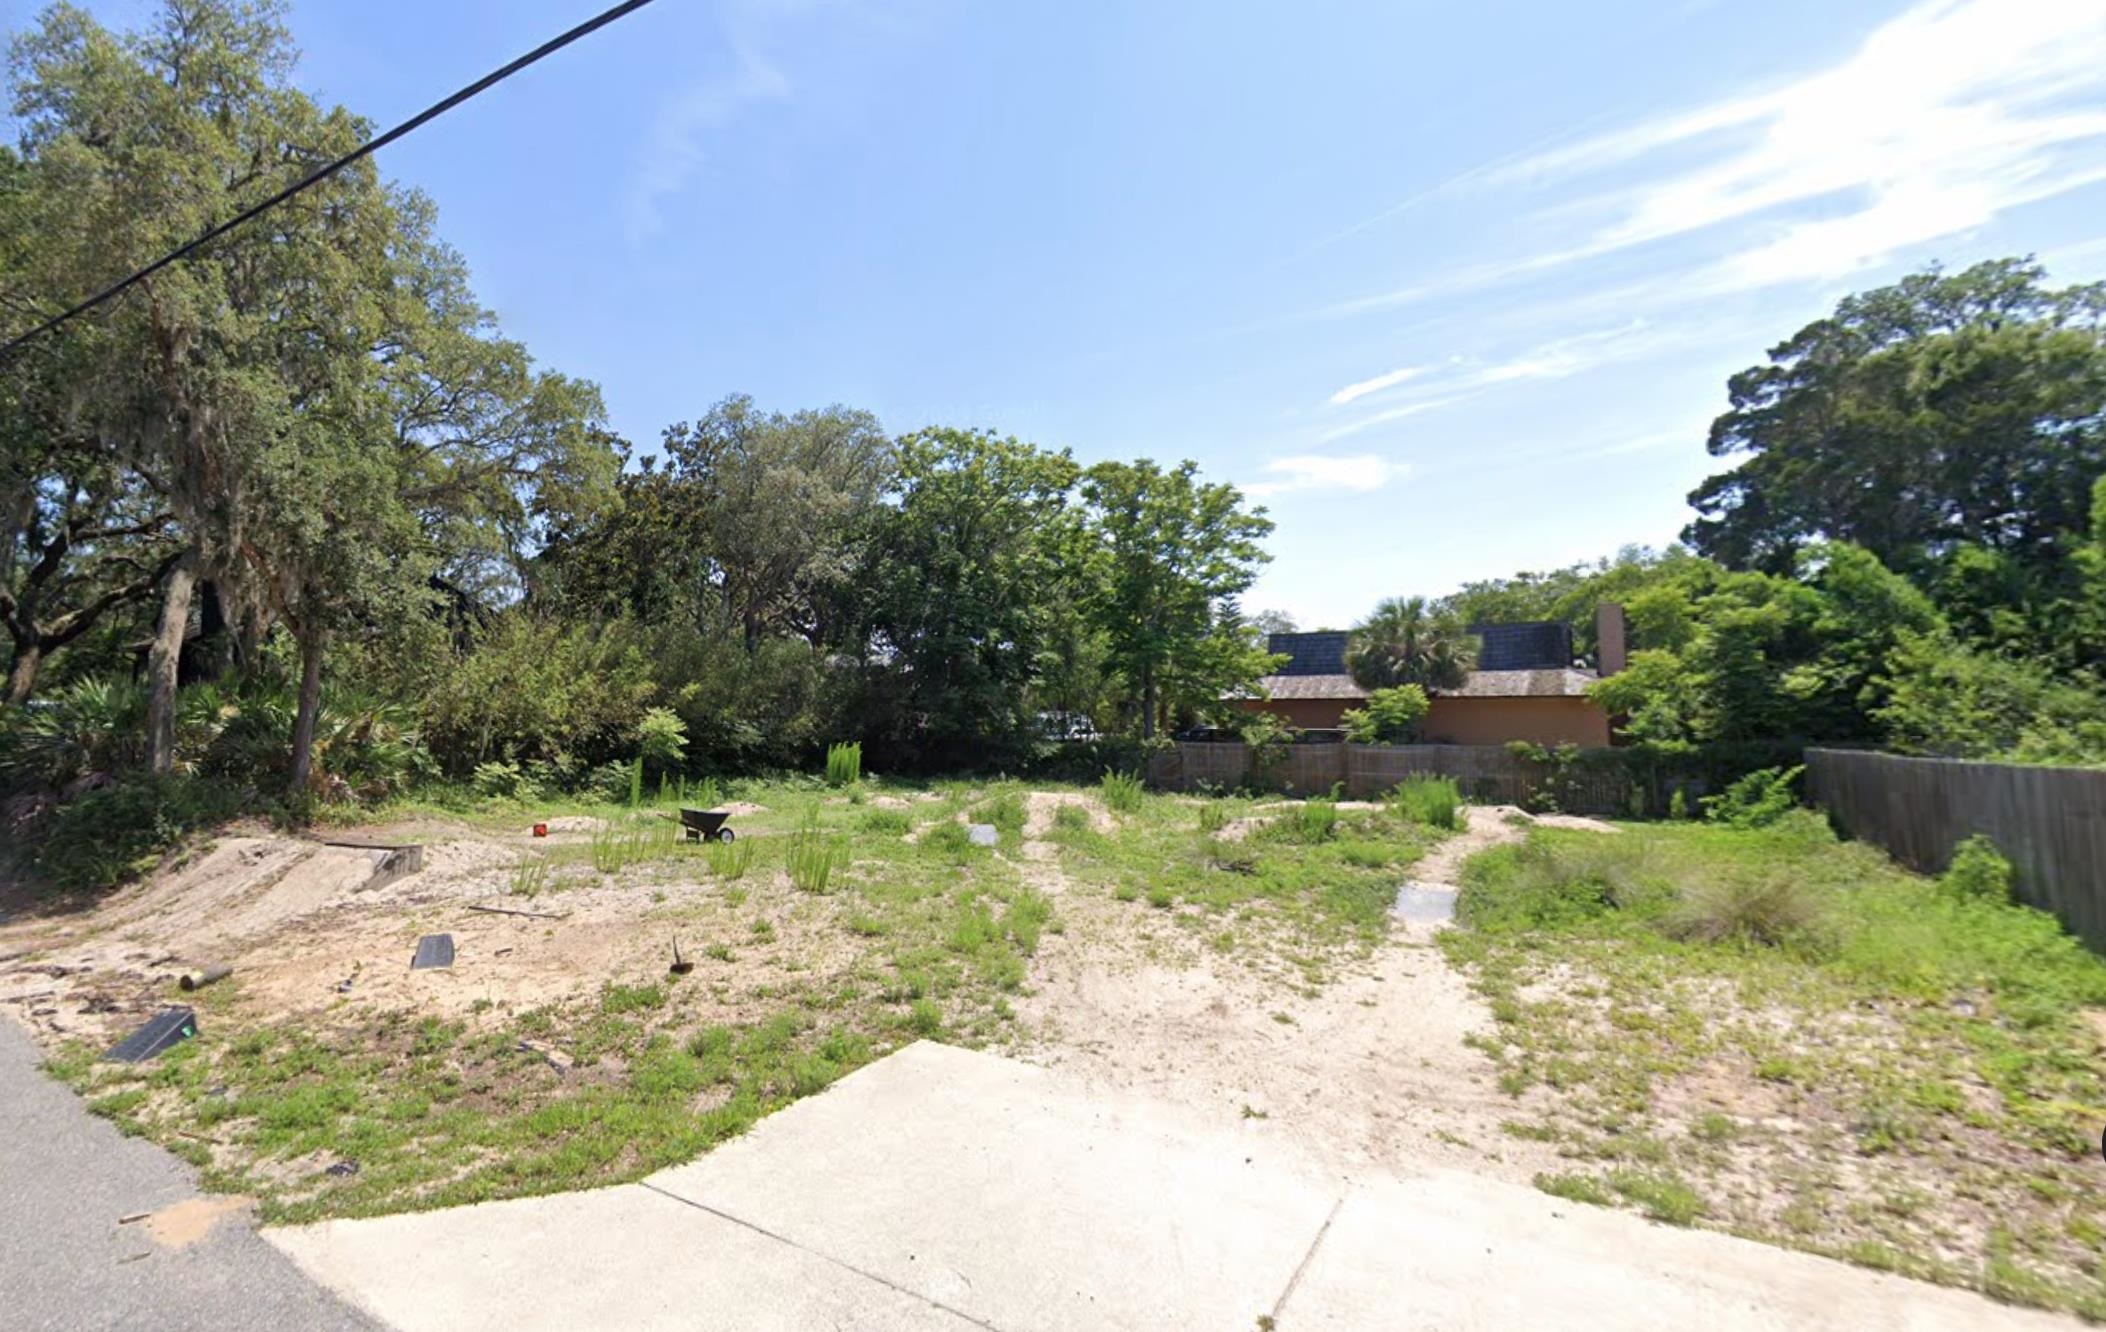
[1170, 555]
[1946, 410]
[962, 578]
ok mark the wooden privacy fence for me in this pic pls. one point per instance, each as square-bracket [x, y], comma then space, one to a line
[1489, 774]
[2049, 822]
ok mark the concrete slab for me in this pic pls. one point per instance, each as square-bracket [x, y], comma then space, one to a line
[1456, 1251]
[944, 1189]
[1003, 1191]
[627, 1257]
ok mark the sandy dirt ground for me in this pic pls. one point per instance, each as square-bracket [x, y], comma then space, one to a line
[1368, 1071]
[1368, 1074]
[309, 929]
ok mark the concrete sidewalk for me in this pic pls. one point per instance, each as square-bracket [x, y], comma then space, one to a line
[66, 1262]
[945, 1189]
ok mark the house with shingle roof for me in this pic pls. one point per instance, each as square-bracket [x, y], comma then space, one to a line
[1528, 685]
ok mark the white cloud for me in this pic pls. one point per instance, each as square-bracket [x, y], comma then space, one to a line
[673, 151]
[1359, 472]
[1944, 118]
[1377, 384]
[1462, 377]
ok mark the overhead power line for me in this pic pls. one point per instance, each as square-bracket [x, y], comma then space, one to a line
[371, 146]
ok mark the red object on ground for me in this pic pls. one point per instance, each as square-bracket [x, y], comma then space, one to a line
[540, 830]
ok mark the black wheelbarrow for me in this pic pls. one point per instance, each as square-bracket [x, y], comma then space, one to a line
[706, 825]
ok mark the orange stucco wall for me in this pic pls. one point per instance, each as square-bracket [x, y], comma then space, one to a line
[1495, 721]
[1309, 714]
[1466, 721]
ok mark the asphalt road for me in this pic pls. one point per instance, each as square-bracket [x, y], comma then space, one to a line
[65, 1262]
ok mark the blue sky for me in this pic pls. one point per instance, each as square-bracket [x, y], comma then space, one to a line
[1455, 287]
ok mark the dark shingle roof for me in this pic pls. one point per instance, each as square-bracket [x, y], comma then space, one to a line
[1320, 653]
[1535, 645]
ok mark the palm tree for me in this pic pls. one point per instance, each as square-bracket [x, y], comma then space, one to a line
[1406, 642]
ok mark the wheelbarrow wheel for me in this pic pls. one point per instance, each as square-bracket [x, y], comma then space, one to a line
[727, 836]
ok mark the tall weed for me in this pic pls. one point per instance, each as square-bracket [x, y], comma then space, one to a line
[620, 843]
[1433, 801]
[1121, 792]
[812, 855]
[730, 860]
[844, 764]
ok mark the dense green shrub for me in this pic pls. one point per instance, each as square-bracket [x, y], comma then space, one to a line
[89, 727]
[1391, 717]
[1757, 800]
[106, 837]
[1979, 872]
[569, 694]
[502, 781]
[661, 739]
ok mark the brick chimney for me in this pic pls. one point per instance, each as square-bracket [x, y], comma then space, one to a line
[1610, 652]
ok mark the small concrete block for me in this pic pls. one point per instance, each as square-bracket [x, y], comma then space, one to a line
[982, 834]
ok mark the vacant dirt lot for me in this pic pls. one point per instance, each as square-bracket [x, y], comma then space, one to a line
[1256, 980]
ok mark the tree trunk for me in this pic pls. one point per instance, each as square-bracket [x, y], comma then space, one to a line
[1148, 702]
[164, 662]
[215, 635]
[22, 676]
[311, 645]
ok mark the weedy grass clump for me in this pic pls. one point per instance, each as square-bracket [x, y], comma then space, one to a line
[1433, 801]
[620, 843]
[949, 839]
[1121, 792]
[730, 860]
[844, 763]
[812, 854]
[1306, 824]
[885, 823]
[529, 877]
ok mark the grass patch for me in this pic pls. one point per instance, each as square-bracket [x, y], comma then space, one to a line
[1923, 1041]
[885, 823]
[1576, 1188]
